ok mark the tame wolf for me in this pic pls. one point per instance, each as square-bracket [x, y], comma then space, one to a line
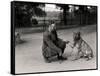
[84, 50]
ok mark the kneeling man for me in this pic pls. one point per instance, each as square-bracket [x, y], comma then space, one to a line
[52, 45]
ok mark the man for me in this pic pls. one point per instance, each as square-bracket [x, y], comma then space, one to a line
[52, 45]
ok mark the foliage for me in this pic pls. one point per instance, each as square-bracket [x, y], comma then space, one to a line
[65, 8]
[34, 21]
[24, 12]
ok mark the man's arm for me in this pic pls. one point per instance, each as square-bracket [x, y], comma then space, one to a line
[50, 43]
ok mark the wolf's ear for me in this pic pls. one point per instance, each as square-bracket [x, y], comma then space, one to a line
[79, 33]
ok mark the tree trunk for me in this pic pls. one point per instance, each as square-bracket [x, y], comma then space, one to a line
[64, 16]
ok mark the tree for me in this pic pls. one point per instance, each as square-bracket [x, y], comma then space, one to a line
[82, 14]
[25, 10]
[65, 8]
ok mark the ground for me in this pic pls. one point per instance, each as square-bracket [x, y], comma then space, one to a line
[29, 57]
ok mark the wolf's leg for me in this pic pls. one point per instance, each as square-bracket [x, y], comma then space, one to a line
[77, 55]
[81, 54]
[89, 57]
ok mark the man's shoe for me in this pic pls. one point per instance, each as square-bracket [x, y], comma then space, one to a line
[62, 58]
[47, 60]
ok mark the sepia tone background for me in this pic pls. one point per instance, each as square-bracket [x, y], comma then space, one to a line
[31, 20]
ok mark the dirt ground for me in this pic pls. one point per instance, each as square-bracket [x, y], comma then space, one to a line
[29, 57]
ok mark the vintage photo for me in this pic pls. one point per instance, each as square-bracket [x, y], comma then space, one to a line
[51, 37]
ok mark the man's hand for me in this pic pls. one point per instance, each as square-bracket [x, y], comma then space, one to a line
[67, 42]
[70, 44]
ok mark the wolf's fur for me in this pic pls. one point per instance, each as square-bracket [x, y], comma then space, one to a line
[83, 48]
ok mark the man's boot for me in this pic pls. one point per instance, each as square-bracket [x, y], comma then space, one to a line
[47, 60]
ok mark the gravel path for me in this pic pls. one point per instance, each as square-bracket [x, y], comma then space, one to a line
[29, 54]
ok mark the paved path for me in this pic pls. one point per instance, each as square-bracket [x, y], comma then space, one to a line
[29, 54]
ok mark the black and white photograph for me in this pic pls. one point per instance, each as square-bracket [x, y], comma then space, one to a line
[53, 37]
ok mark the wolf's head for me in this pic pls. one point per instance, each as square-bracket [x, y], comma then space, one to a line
[76, 36]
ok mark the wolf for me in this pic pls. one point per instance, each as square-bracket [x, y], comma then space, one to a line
[84, 50]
